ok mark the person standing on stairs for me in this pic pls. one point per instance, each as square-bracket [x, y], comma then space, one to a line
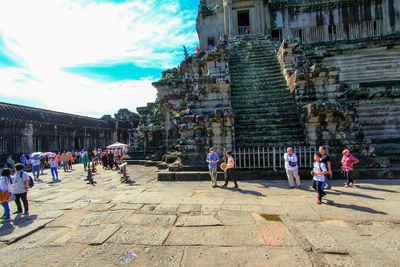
[292, 168]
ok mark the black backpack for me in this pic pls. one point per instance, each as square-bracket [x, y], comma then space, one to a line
[31, 182]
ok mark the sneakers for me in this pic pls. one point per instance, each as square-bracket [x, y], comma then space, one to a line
[26, 213]
[237, 188]
[318, 201]
[327, 188]
[17, 212]
[346, 185]
[214, 186]
[352, 183]
[224, 186]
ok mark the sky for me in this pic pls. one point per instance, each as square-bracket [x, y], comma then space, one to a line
[91, 57]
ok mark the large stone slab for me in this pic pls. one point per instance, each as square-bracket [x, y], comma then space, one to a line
[320, 238]
[201, 220]
[105, 234]
[94, 218]
[108, 255]
[244, 256]
[144, 235]
[215, 236]
[127, 206]
[150, 219]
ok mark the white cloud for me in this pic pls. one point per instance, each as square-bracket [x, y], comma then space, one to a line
[49, 35]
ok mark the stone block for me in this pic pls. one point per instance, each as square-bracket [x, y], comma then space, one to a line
[166, 176]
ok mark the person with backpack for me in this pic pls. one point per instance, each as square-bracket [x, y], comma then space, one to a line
[319, 171]
[20, 188]
[5, 188]
[348, 161]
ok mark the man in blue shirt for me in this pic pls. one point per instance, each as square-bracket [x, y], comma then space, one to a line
[213, 159]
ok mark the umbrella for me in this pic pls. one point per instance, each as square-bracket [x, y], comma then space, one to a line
[36, 155]
[49, 154]
[117, 145]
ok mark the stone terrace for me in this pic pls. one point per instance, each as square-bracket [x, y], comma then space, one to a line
[191, 224]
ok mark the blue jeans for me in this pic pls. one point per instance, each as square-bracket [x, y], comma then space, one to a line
[36, 169]
[327, 183]
[348, 178]
[6, 210]
[54, 173]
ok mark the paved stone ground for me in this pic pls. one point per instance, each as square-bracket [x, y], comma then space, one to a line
[192, 224]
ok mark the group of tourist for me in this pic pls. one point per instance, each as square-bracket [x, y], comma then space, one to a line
[16, 186]
[321, 172]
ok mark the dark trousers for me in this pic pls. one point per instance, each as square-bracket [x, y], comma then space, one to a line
[230, 176]
[347, 176]
[317, 185]
[24, 197]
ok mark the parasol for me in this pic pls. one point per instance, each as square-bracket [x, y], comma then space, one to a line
[36, 155]
[117, 145]
[49, 154]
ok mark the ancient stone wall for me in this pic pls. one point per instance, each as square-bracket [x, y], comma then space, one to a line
[193, 109]
[347, 92]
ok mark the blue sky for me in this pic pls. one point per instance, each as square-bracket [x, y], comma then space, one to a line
[90, 57]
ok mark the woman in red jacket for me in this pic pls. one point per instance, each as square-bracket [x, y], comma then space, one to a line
[348, 161]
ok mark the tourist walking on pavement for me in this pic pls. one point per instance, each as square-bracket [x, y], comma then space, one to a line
[292, 168]
[85, 160]
[213, 159]
[327, 161]
[64, 160]
[348, 162]
[20, 188]
[5, 188]
[229, 171]
[35, 168]
[53, 168]
[319, 172]
[70, 160]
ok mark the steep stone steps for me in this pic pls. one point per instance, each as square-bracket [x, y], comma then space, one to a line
[265, 112]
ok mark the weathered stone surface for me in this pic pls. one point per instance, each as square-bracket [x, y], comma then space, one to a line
[144, 235]
[149, 219]
[95, 218]
[201, 220]
[127, 206]
[244, 256]
[215, 236]
[105, 234]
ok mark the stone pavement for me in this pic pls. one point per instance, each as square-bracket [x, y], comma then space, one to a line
[191, 224]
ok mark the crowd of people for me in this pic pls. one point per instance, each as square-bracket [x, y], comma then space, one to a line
[15, 181]
[321, 172]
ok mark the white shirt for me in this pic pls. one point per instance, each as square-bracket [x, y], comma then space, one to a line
[5, 186]
[319, 167]
[231, 163]
[35, 162]
[292, 158]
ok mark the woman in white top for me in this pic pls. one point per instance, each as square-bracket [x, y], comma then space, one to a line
[5, 185]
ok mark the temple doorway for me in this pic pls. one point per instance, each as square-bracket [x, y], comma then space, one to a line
[244, 21]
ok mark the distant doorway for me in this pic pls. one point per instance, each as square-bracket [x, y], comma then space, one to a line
[244, 22]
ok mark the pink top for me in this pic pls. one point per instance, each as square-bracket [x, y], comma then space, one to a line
[347, 162]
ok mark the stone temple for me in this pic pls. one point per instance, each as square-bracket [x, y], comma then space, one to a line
[280, 73]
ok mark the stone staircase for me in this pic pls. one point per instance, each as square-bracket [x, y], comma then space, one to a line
[265, 111]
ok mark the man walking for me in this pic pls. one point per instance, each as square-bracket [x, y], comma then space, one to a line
[292, 168]
[213, 159]
[229, 171]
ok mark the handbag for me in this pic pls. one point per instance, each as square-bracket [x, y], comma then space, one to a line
[4, 195]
